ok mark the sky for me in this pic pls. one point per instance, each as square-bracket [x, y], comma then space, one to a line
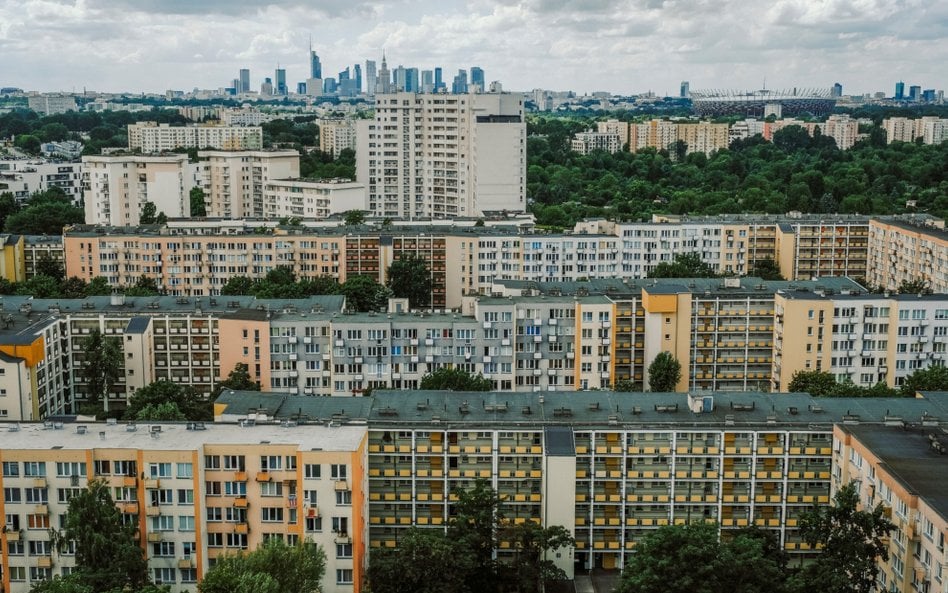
[630, 46]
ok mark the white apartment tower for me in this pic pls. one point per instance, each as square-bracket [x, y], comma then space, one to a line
[336, 135]
[235, 181]
[443, 156]
[116, 188]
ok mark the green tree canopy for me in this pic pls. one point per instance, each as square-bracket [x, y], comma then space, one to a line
[766, 269]
[931, 379]
[455, 379]
[684, 265]
[664, 373]
[850, 542]
[101, 365]
[409, 277]
[363, 294]
[164, 400]
[239, 379]
[46, 213]
[274, 567]
[198, 205]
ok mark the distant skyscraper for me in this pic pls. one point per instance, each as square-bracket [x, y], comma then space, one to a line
[267, 87]
[685, 92]
[301, 88]
[280, 81]
[384, 83]
[477, 77]
[928, 95]
[837, 90]
[411, 80]
[357, 78]
[438, 79]
[400, 74]
[427, 81]
[899, 90]
[459, 86]
[315, 67]
[915, 93]
[329, 86]
[371, 78]
[244, 81]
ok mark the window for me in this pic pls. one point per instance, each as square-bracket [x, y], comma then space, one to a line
[235, 463]
[185, 496]
[64, 470]
[343, 576]
[338, 471]
[214, 514]
[271, 489]
[343, 497]
[314, 524]
[161, 496]
[312, 471]
[270, 462]
[185, 470]
[271, 514]
[37, 521]
[125, 468]
[159, 470]
[102, 467]
[12, 495]
[186, 523]
[162, 523]
[235, 488]
[237, 540]
[36, 495]
[36, 469]
[11, 469]
[163, 549]
[164, 575]
[343, 550]
[17, 573]
[212, 462]
[215, 540]
[188, 575]
[340, 525]
[212, 488]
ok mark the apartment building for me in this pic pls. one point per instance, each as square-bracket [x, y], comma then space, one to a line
[931, 129]
[614, 126]
[336, 135]
[195, 492]
[610, 467]
[903, 468]
[12, 258]
[51, 103]
[150, 137]
[235, 180]
[659, 134]
[116, 188]
[24, 178]
[704, 136]
[588, 141]
[443, 156]
[843, 129]
[312, 198]
[161, 338]
[863, 338]
[907, 250]
[39, 247]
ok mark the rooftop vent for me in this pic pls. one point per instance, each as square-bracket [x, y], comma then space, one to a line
[563, 412]
[816, 409]
[743, 407]
[936, 445]
[388, 411]
[526, 411]
[666, 408]
[82, 429]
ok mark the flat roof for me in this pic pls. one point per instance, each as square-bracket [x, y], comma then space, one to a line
[175, 436]
[910, 458]
[592, 408]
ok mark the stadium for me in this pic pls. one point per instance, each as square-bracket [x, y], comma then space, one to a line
[817, 102]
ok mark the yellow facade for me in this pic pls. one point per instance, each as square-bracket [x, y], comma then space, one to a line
[13, 262]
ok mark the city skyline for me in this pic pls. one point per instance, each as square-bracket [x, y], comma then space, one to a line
[623, 47]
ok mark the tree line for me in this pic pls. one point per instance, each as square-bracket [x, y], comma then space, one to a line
[794, 172]
[824, 384]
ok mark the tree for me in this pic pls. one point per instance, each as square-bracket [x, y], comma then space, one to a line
[101, 366]
[930, 379]
[664, 373]
[455, 379]
[98, 286]
[749, 562]
[409, 277]
[149, 211]
[916, 286]
[530, 569]
[354, 217]
[158, 398]
[47, 266]
[239, 379]
[685, 265]
[8, 206]
[625, 385]
[363, 293]
[850, 541]
[766, 269]
[198, 206]
[813, 382]
[46, 213]
[108, 553]
[425, 561]
[274, 567]
[144, 286]
[238, 285]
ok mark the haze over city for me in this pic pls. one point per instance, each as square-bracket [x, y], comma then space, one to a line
[623, 47]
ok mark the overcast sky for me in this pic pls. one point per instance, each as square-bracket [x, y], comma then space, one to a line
[581, 45]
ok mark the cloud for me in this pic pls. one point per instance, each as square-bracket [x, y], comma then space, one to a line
[619, 45]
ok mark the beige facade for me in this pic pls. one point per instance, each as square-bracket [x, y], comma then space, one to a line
[195, 492]
[116, 188]
[443, 156]
[151, 137]
[336, 135]
[907, 251]
[614, 126]
[312, 198]
[235, 180]
[586, 142]
[704, 136]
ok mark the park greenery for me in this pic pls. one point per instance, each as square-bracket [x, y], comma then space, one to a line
[274, 567]
[692, 559]
[794, 172]
[44, 213]
[824, 384]
[410, 278]
[362, 292]
[462, 559]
